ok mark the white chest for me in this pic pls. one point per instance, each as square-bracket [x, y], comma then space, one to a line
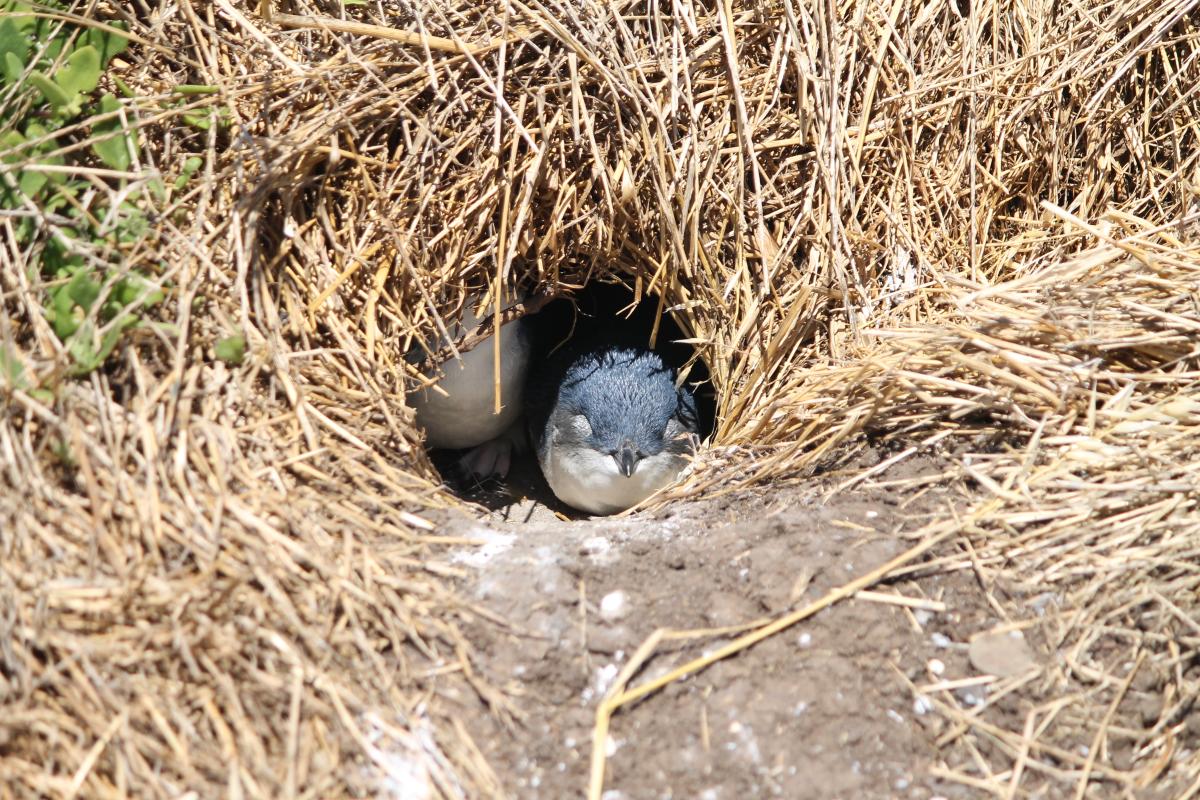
[590, 481]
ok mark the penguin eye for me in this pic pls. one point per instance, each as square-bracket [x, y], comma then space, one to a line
[580, 424]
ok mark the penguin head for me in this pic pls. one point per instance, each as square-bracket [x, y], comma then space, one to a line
[623, 403]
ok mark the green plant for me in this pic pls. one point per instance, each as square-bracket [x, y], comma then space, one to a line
[231, 350]
[49, 72]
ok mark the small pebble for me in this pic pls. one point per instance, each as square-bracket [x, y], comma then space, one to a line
[604, 677]
[1004, 654]
[614, 606]
[972, 696]
[594, 546]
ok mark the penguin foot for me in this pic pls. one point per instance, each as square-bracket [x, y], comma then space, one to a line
[494, 457]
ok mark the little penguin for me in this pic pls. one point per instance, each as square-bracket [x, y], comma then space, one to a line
[610, 427]
[462, 415]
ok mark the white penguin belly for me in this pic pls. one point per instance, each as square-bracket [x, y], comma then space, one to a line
[590, 481]
[465, 415]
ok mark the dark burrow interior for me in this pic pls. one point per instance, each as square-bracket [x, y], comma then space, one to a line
[599, 310]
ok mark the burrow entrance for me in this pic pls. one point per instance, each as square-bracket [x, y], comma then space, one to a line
[610, 311]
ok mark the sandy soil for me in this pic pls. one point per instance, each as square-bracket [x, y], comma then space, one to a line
[840, 705]
[825, 709]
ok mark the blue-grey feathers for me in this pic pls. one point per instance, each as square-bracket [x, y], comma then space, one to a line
[626, 395]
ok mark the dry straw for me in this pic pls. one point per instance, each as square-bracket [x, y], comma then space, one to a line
[959, 228]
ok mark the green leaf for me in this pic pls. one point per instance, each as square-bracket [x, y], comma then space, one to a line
[31, 182]
[81, 73]
[108, 44]
[87, 353]
[189, 169]
[50, 90]
[12, 371]
[60, 200]
[36, 131]
[82, 347]
[196, 88]
[108, 342]
[28, 181]
[113, 150]
[58, 260]
[167, 329]
[134, 288]
[61, 313]
[26, 230]
[202, 118]
[43, 396]
[84, 289]
[13, 68]
[20, 16]
[231, 350]
[53, 43]
[126, 291]
[14, 50]
[132, 224]
[9, 140]
[199, 119]
[62, 451]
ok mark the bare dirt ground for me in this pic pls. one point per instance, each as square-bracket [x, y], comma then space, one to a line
[858, 701]
[824, 709]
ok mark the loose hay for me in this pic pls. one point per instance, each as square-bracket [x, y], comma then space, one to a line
[960, 228]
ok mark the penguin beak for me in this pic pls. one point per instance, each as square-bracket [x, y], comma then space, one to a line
[627, 459]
